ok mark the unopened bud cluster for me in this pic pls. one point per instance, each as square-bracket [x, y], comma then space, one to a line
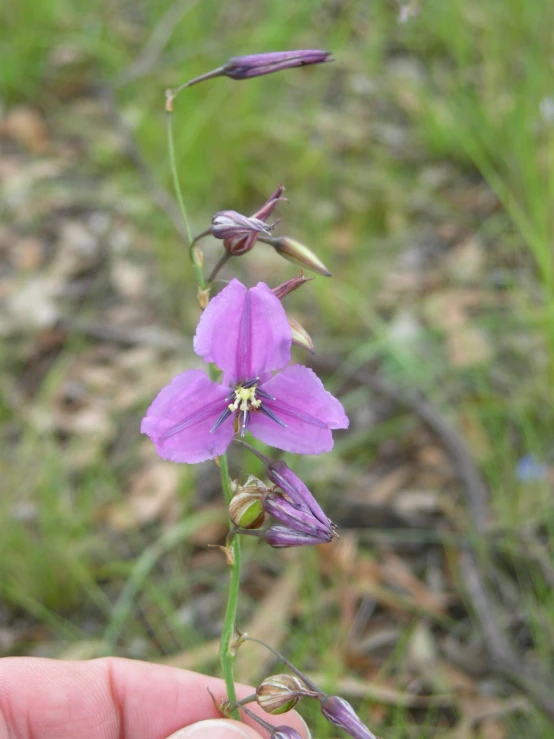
[300, 519]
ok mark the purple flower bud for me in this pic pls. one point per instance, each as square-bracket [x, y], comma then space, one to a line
[254, 65]
[278, 506]
[284, 478]
[282, 537]
[340, 712]
[276, 732]
[284, 732]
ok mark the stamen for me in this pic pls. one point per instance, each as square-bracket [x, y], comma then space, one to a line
[265, 410]
[250, 383]
[223, 417]
[263, 394]
[245, 421]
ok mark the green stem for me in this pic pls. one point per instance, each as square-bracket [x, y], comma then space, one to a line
[177, 186]
[226, 650]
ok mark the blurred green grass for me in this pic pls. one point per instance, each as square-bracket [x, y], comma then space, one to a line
[470, 82]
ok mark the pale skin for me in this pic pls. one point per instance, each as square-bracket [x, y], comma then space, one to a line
[111, 698]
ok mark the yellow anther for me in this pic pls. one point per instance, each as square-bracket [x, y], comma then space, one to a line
[245, 393]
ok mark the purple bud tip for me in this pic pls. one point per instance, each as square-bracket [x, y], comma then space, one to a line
[255, 65]
[285, 732]
[340, 712]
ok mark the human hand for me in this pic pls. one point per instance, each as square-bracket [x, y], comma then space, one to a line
[114, 698]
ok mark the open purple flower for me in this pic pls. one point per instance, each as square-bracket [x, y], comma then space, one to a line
[245, 333]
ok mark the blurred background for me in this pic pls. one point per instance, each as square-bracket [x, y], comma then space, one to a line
[419, 166]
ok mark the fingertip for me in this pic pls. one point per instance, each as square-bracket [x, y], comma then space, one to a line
[216, 729]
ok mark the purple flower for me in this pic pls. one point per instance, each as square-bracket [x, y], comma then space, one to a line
[254, 65]
[340, 712]
[245, 333]
[240, 236]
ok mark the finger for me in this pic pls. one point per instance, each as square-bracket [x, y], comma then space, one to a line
[217, 729]
[109, 698]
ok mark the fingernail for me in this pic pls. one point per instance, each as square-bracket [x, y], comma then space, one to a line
[211, 729]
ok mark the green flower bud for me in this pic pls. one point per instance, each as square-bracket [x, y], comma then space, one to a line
[300, 337]
[297, 253]
[246, 507]
[279, 693]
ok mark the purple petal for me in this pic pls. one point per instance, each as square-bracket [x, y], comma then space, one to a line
[180, 418]
[309, 411]
[244, 332]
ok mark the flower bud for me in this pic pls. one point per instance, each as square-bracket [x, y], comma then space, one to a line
[340, 712]
[255, 65]
[287, 287]
[284, 732]
[275, 732]
[246, 510]
[298, 253]
[284, 478]
[279, 693]
[300, 337]
[283, 537]
[246, 506]
[278, 506]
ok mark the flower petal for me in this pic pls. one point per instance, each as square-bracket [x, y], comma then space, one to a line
[244, 332]
[180, 418]
[309, 411]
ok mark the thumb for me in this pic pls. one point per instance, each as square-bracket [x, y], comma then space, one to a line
[216, 729]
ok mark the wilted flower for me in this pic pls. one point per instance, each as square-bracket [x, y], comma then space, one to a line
[279, 693]
[239, 233]
[340, 712]
[228, 224]
[247, 335]
[254, 65]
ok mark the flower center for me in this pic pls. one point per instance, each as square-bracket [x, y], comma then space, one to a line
[242, 401]
[245, 399]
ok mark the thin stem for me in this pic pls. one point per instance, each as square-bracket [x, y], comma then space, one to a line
[173, 165]
[296, 671]
[172, 94]
[223, 259]
[226, 649]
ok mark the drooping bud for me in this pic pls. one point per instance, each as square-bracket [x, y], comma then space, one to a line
[279, 693]
[300, 337]
[246, 506]
[297, 253]
[283, 537]
[281, 475]
[287, 287]
[340, 712]
[255, 65]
